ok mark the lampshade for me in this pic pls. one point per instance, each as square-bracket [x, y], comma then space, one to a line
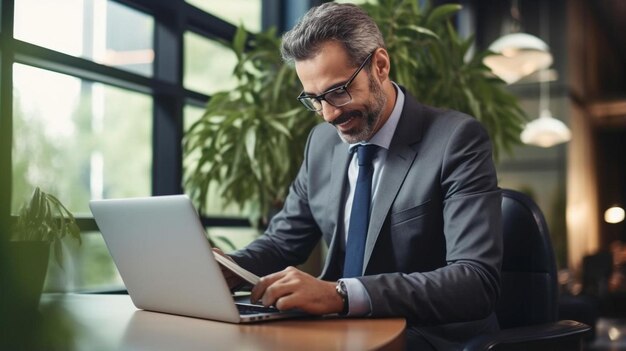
[518, 55]
[545, 131]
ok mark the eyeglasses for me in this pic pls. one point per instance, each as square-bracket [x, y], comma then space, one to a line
[338, 96]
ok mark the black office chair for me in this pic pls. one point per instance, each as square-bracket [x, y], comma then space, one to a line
[527, 309]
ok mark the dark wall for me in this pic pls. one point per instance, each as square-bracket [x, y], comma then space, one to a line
[612, 176]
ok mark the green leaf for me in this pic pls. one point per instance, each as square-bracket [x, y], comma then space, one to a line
[442, 13]
[239, 41]
[411, 29]
[45, 218]
[279, 127]
[225, 242]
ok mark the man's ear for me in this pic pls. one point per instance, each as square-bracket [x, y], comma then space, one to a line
[381, 64]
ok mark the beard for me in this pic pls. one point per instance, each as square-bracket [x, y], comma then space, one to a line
[370, 116]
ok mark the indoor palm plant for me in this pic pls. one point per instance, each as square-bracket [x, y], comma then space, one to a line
[44, 219]
[250, 140]
[41, 224]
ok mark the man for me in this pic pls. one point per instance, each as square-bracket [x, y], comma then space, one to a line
[424, 242]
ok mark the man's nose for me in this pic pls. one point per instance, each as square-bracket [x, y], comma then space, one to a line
[329, 112]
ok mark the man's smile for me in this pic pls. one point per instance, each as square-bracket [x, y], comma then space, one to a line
[343, 122]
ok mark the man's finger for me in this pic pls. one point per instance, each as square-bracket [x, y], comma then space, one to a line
[259, 289]
[287, 302]
[278, 291]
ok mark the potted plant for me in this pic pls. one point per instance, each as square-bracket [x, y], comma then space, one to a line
[250, 140]
[40, 225]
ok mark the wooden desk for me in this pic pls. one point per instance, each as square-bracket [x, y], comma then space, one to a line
[111, 322]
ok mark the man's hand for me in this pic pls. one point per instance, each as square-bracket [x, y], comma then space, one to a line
[292, 288]
[232, 279]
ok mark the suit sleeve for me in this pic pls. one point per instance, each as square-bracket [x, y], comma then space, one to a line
[467, 287]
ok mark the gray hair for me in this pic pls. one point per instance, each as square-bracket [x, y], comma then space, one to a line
[347, 24]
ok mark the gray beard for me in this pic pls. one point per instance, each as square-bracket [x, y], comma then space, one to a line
[372, 115]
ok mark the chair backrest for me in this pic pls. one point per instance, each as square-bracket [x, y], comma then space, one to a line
[529, 282]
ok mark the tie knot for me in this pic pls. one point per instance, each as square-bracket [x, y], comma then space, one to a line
[365, 154]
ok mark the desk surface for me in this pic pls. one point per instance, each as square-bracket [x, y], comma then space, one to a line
[111, 322]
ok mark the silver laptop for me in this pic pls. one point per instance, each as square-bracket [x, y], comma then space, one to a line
[166, 262]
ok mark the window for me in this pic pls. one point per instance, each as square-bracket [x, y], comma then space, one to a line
[97, 30]
[208, 65]
[78, 140]
[247, 12]
[86, 267]
[100, 94]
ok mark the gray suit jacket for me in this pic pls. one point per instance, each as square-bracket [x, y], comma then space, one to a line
[434, 243]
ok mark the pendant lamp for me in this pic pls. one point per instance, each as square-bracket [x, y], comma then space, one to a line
[517, 54]
[545, 131]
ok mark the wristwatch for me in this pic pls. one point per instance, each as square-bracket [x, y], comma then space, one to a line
[343, 293]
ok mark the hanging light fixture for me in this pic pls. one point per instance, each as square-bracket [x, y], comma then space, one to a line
[517, 54]
[545, 131]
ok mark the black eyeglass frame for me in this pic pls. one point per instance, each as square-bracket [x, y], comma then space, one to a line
[322, 97]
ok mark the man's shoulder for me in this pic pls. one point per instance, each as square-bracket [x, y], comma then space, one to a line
[325, 133]
[434, 121]
[437, 114]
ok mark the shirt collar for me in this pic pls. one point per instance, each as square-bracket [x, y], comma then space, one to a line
[384, 135]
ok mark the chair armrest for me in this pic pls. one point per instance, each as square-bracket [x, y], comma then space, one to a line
[562, 333]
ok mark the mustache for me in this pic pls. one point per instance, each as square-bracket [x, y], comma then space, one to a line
[346, 116]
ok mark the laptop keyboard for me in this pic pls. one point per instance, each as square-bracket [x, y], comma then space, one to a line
[253, 309]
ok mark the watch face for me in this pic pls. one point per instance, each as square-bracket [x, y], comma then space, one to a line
[341, 289]
[343, 293]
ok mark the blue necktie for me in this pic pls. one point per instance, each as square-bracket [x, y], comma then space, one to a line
[360, 215]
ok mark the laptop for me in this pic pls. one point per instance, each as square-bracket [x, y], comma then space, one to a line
[166, 262]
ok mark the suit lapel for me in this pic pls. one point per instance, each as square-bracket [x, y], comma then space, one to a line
[400, 157]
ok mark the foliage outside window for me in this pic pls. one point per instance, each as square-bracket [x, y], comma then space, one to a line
[208, 65]
[78, 140]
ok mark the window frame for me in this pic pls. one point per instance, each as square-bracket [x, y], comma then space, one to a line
[171, 19]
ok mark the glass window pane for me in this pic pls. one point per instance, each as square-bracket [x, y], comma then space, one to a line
[78, 140]
[358, 2]
[232, 238]
[93, 29]
[208, 65]
[191, 114]
[247, 12]
[86, 267]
